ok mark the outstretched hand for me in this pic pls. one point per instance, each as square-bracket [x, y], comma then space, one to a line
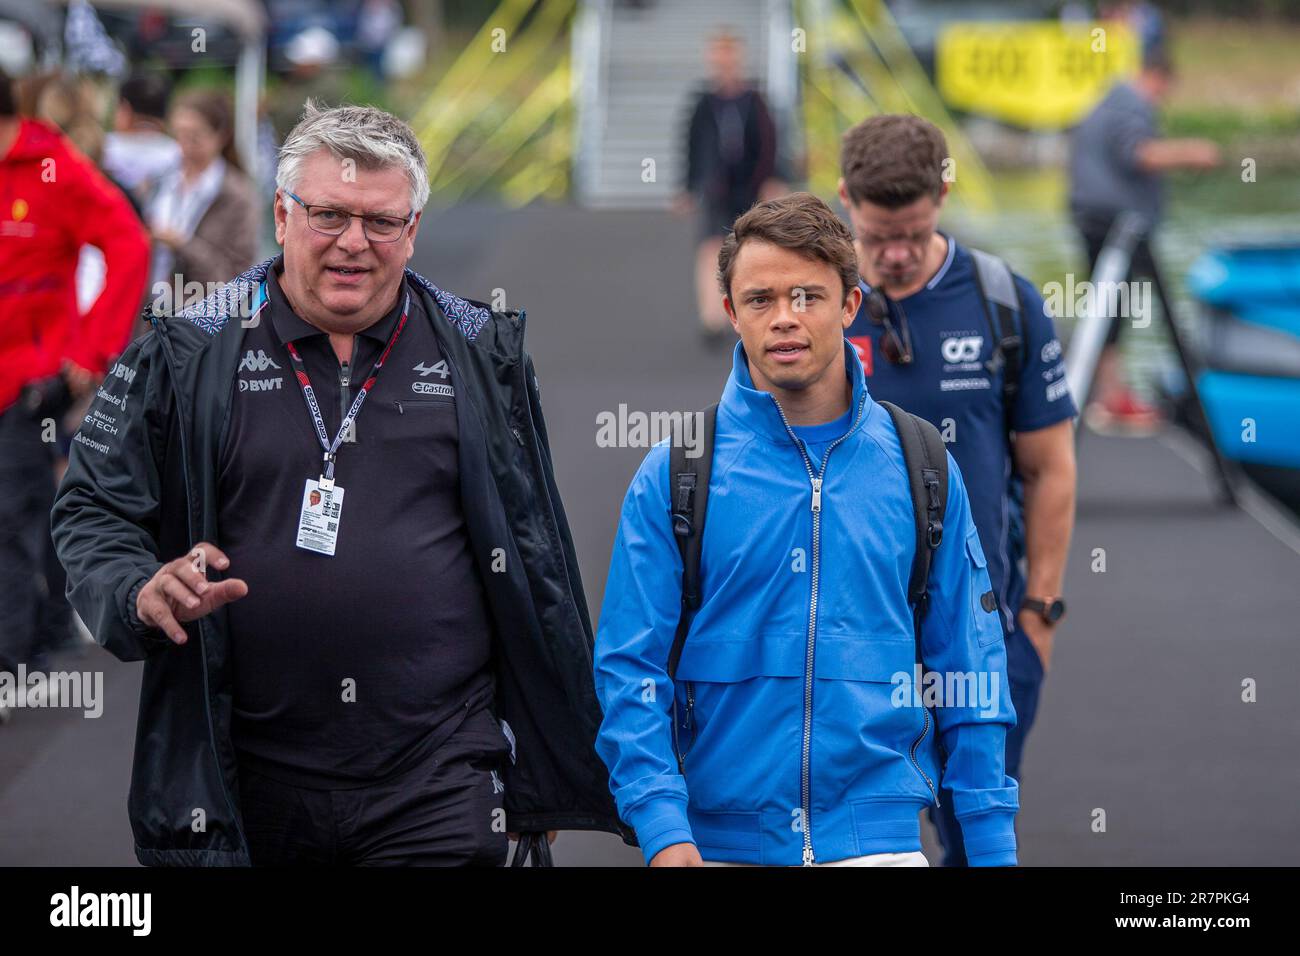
[181, 591]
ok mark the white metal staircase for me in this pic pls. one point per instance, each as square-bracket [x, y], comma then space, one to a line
[639, 67]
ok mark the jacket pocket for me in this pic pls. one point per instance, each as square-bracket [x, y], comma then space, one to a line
[730, 661]
[875, 684]
[862, 658]
[981, 591]
[407, 406]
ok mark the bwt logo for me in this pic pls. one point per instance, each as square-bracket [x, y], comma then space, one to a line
[257, 361]
[963, 349]
[260, 384]
[123, 372]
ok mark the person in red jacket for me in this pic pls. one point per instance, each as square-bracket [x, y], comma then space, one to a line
[53, 201]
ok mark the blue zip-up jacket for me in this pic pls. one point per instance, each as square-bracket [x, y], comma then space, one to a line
[807, 739]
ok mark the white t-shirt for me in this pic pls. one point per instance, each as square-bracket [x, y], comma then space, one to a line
[139, 157]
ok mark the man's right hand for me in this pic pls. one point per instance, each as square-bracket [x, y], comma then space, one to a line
[679, 854]
[181, 591]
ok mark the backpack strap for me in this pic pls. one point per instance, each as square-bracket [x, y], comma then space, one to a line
[926, 461]
[534, 847]
[1002, 307]
[688, 486]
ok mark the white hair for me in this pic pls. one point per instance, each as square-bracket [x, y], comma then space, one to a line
[369, 136]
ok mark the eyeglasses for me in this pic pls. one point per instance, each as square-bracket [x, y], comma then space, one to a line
[896, 343]
[329, 221]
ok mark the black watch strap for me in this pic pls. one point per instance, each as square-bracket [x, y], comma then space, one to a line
[1050, 611]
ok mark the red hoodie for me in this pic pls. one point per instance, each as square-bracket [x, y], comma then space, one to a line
[52, 202]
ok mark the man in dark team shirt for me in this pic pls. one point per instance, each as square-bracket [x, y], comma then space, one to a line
[930, 347]
[419, 655]
[393, 648]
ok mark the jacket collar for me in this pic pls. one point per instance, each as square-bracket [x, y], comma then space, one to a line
[229, 300]
[758, 410]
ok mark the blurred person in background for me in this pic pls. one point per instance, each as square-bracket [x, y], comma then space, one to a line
[730, 158]
[377, 24]
[138, 152]
[75, 105]
[313, 55]
[53, 202]
[203, 216]
[1118, 162]
[1144, 19]
[72, 104]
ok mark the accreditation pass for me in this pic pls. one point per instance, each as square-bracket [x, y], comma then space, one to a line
[318, 525]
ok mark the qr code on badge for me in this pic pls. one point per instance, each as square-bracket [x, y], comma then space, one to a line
[331, 526]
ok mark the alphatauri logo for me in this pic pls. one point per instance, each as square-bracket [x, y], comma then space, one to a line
[962, 348]
[257, 361]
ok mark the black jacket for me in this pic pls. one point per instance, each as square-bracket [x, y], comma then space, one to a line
[141, 489]
[729, 183]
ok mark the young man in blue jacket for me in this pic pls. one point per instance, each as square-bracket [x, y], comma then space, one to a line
[800, 735]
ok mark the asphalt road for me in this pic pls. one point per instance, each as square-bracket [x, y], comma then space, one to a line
[1142, 714]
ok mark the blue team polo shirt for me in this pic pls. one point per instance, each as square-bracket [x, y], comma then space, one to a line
[947, 384]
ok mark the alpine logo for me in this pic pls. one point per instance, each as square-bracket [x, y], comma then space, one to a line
[961, 349]
[439, 368]
[257, 361]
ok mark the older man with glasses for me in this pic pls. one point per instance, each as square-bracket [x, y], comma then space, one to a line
[320, 506]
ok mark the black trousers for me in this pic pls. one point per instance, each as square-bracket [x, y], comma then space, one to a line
[34, 614]
[447, 810]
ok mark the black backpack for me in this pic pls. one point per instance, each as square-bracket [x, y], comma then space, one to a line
[1003, 309]
[926, 461]
[1005, 314]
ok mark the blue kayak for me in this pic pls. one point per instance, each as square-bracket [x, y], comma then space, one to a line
[1250, 300]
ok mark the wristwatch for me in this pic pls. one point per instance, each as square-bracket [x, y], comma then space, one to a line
[1050, 610]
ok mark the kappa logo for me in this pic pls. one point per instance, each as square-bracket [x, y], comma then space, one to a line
[257, 361]
[440, 368]
[960, 349]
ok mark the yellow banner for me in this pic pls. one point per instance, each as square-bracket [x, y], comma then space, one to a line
[1041, 75]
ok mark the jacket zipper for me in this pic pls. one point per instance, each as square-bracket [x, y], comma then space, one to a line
[805, 768]
[345, 378]
[184, 428]
[925, 729]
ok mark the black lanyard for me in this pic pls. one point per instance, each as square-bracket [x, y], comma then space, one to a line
[300, 371]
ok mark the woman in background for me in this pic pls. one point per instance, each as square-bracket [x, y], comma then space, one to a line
[203, 215]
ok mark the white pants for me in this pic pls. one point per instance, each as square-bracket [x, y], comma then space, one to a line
[915, 858]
